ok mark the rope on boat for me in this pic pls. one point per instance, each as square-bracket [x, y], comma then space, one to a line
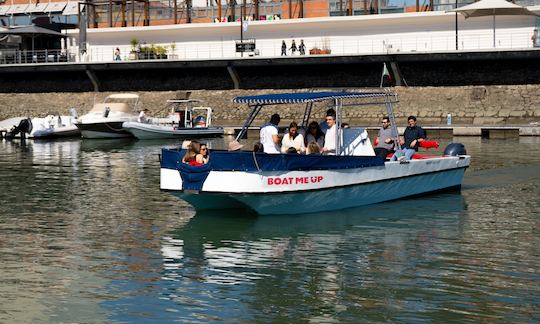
[256, 163]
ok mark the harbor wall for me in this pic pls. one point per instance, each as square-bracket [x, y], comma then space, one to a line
[468, 105]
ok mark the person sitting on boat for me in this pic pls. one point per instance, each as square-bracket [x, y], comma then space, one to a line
[291, 150]
[258, 148]
[412, 137]
[324, 124]
[269, 135]
[330, 136]
[193, 154]
[385, 140]
[313, 148]
[314, 134]
[142, 116]
[293, 139]
[204, 153]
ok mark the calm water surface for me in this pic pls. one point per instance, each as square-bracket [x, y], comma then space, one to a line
[86, 236]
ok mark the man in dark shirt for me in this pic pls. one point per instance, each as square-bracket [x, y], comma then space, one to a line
[412, 137]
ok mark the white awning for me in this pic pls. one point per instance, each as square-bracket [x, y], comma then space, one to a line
[17, 9]
[37, 7]
[4, 10]
[55, 6]
[72, 8]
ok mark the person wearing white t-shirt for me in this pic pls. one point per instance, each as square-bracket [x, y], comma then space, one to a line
[269, 135]
[330, 136]
[142, 116]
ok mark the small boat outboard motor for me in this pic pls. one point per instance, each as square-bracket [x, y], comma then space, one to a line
[24, 127]
[455, 149]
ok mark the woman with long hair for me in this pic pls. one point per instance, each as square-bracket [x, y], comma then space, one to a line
[314, 134]
[193, 154]
[293, 139]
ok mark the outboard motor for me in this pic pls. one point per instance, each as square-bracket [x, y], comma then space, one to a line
[24, 127]
[455, 149]
[106, 112]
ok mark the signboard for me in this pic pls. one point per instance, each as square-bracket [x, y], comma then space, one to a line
[247, 45]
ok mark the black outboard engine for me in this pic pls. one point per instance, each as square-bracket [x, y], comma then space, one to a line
[455, 149]
[24, 127]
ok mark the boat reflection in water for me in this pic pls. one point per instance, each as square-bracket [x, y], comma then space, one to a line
[231, 247]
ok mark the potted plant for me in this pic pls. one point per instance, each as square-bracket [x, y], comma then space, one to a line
[133, 54]
[173, 55]
[161, 52]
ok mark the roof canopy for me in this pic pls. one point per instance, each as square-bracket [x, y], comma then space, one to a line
[31, 30]
[493, 7]
[303, 97]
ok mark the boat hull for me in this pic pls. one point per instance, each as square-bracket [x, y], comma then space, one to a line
[150, 131]
[103, 130]
[68, 131]
[378, 184]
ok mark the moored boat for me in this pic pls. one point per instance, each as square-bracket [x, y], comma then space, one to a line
[105, 119]
[184, 121]
[294, 183]
[51, 126]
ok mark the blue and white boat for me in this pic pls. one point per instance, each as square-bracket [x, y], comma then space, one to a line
[293, 183]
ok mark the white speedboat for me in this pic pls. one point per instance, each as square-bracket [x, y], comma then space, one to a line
[105, 119]
[185, 121]
[54, 126]
[294, 183]
[51, 126]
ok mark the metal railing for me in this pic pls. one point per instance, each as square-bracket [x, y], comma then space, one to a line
[225, 49]
[9, 56]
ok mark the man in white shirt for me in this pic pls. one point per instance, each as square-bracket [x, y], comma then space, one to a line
[330, 136]
[269, 135]
[142, 116]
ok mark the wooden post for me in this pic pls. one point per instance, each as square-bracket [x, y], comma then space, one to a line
[124, 22]
[133, 13]
[175, 6]
[110, 14]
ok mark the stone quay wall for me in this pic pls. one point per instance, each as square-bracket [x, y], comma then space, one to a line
[468, 105]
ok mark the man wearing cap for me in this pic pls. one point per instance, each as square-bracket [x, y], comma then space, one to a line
[269, 135]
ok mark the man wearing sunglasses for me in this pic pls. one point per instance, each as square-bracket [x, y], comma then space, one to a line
[386, 140]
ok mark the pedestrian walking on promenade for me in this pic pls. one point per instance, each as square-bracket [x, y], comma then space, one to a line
[283, 48]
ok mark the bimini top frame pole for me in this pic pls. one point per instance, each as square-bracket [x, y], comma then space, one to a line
[257, 102]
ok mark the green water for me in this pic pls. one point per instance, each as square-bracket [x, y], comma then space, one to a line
[86, 236]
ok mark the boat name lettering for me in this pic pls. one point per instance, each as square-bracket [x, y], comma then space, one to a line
[272, 181]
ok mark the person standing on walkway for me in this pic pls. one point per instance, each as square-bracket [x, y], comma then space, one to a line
[117, 54]
[293, 47]
[302, 47]
[283, 48]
